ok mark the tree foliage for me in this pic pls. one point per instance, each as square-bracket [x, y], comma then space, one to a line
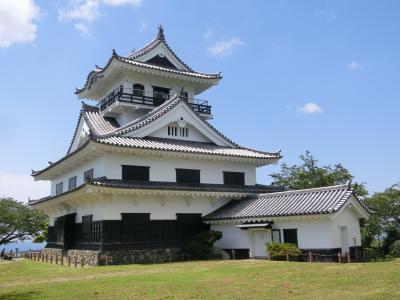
[18, 221]
[201, 245]
[309, 175]
[385, 218]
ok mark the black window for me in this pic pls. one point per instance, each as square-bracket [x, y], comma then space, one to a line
[185, 95]
[290, 236]
[135, 173]
[138, 90]
[187, 176]
[233, 178]
[87, 175]
[276, 235]
[72, 183]
[86, 224]
[160, 95]
[59, 188]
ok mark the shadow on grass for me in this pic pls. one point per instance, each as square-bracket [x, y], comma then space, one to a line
[20, 295]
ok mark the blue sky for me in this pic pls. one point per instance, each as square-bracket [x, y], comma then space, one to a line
[298, 75]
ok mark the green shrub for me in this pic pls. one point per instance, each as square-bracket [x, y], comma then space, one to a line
[395, 249]
[279, 250]
[371, 253]
[201, 245]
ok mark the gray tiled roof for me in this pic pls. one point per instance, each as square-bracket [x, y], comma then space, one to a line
[160, 38]
[315, 201]
[104, 132]
[131, 61]
[164, 144]
[167, 186]
[199, 187]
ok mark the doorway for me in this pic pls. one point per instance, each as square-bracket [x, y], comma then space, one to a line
[261, 237]
[344, 239]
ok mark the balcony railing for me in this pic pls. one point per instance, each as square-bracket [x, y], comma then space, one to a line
[153, 99]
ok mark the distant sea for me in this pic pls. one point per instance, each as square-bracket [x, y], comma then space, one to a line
[23, 246]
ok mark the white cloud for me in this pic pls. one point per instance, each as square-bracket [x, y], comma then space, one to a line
[88, 11]
[225, 48]
[82, 28]
[20, 187]
[143, 26]
[122, 2]
[85, 11]
[208, 34]
[310, 108]
[17, 21]
[330, 15]
[354, 65]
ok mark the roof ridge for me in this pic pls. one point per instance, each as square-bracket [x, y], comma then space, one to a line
[317, 189]
[160, 38]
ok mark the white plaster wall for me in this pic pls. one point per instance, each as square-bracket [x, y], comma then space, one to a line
[311, 234]
[110, 207]
[129, 116]
[349, 218]
[234, 238]
[163, 169]
[98, 170]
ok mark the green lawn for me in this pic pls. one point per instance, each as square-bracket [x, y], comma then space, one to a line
[248, 279]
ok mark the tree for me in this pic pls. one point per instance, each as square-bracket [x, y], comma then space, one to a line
[200, 246]
[310, 175]
[18, 221]
[385, 218]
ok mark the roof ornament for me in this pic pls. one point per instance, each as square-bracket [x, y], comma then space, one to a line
[160, 34]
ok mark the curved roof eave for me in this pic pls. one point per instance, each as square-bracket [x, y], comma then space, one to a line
[99, 71]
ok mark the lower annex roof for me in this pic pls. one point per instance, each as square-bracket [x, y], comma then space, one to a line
[316, 201]
[166, 186]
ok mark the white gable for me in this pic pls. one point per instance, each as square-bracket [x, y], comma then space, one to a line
[81, 134]
[198, 129]
[162, 51]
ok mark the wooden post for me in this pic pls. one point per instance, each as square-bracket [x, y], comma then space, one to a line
[133, 258]
[82, 261]
[339, 257]
[62, 260]
[106, 260]
[69, 261]
[233, 254]
[51, 258]
[287, 256]
[310, 256]
[56, 259]
[348, 257]
[42, 257]
[75, 262]
[47, 257]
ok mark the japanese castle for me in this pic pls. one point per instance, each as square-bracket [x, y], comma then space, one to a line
[146, 170]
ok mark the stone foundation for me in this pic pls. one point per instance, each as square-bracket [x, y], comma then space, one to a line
[113, 257]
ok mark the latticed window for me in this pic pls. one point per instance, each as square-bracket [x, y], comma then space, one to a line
[138, 90]
[86, 224]
[72, 183]
[88, 175]
[59, 188]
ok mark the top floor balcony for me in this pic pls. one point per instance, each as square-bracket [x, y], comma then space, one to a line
[144, 99]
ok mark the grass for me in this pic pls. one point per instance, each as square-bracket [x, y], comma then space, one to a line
[248, 279]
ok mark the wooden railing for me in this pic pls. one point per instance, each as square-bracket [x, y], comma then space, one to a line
[149, 99]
